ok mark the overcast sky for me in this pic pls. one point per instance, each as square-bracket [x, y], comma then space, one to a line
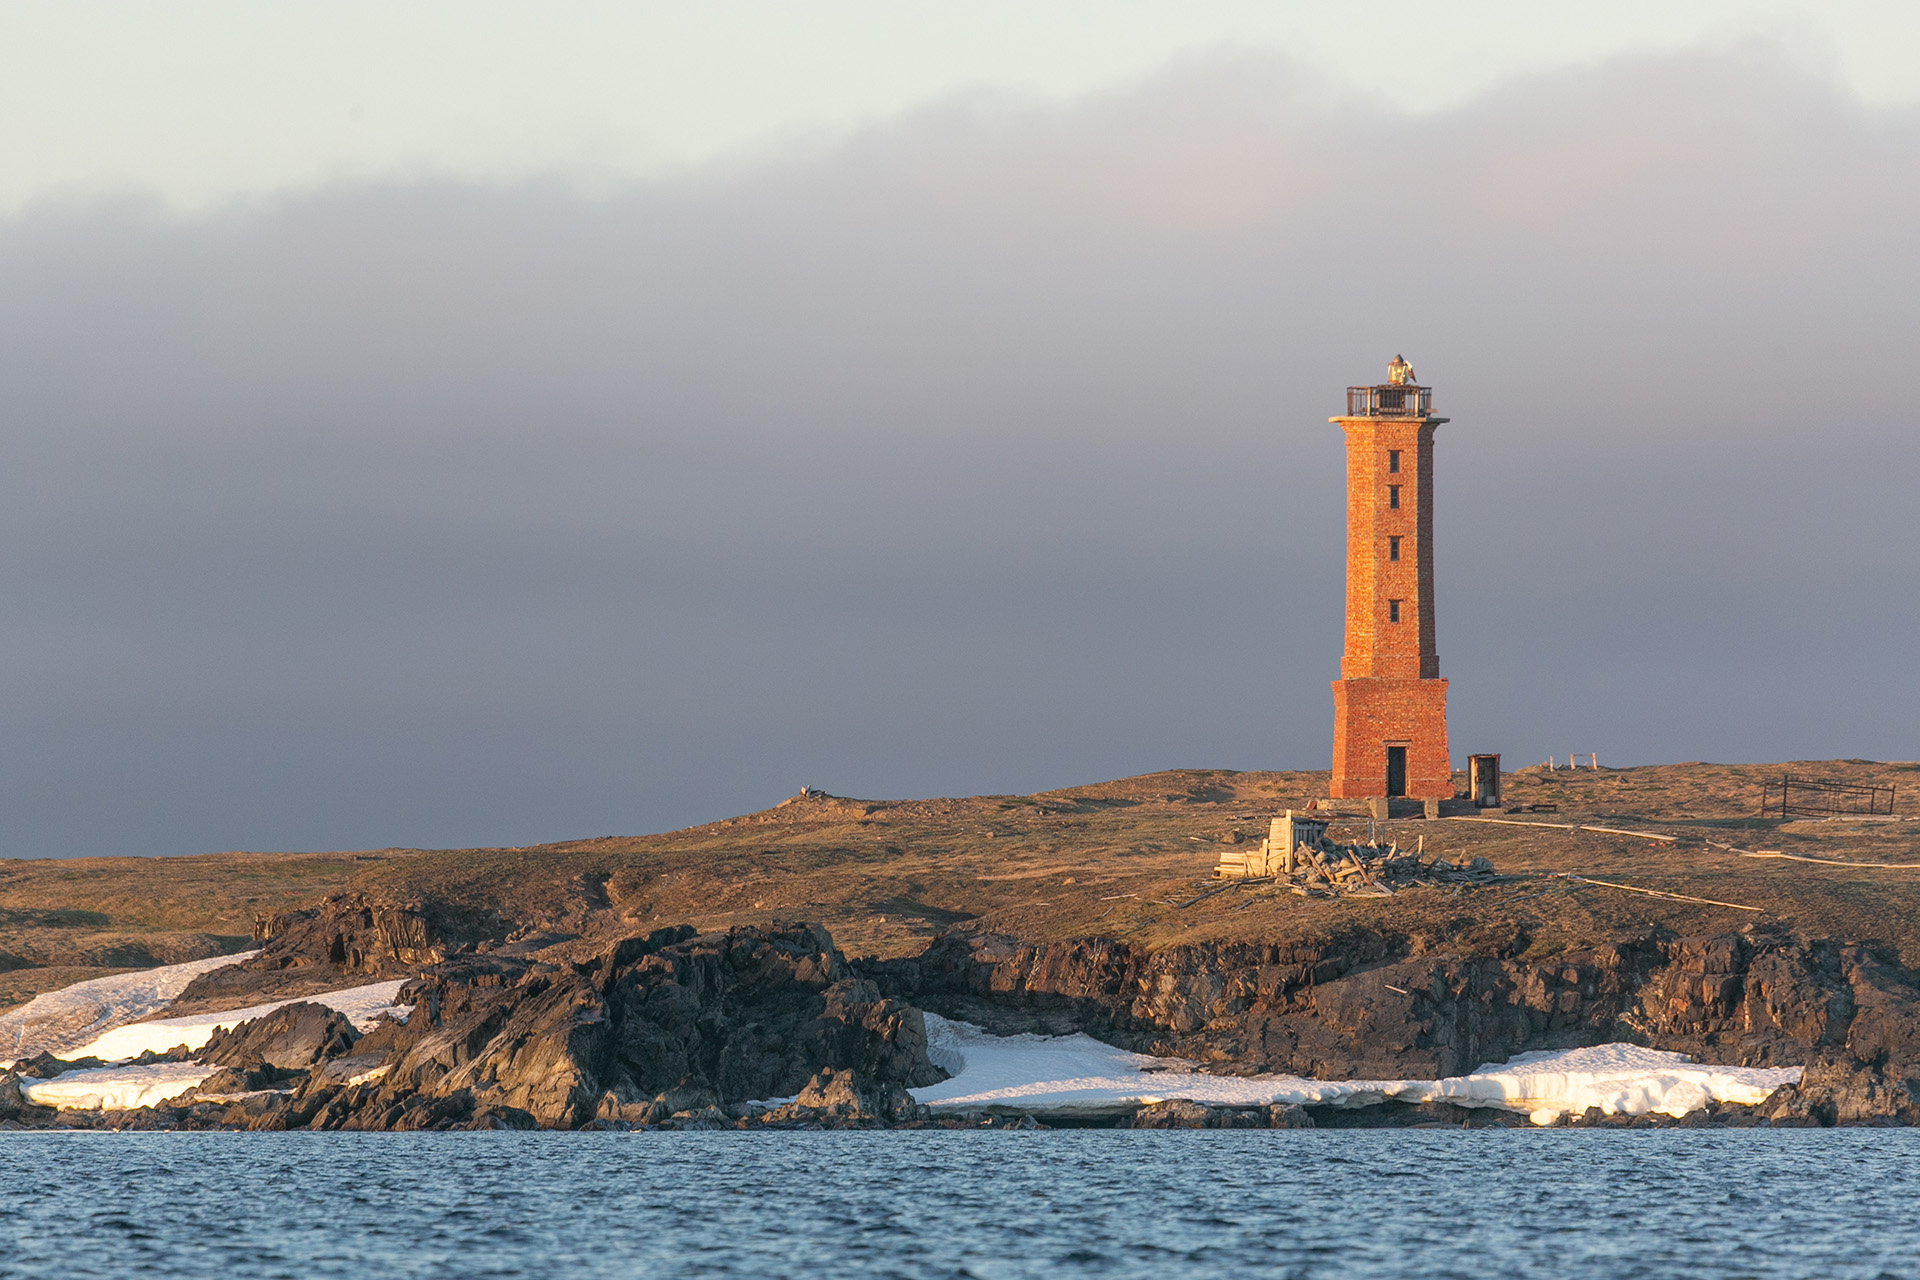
[425, 431]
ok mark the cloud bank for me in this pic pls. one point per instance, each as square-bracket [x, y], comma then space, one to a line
[985, 451]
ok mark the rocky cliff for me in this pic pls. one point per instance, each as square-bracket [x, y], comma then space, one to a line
[1369, 1006]
[683, 1028]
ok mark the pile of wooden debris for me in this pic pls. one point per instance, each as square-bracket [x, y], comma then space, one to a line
[1297, 852]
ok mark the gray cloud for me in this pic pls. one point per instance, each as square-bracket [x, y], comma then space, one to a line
[984, 452]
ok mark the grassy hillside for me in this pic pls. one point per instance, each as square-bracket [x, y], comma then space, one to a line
[1125, 858]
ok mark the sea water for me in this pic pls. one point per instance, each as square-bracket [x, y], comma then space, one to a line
[1550, 1203]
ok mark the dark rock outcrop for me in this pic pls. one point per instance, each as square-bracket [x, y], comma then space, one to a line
[344, 940]
[294, 1036]
[1179, 1113]
[844, 1098]
[352, 932]
[179, 1053]
[15, 1109]
[1367, 1005]
[44, 1066]
[248, 1078]
[1847, 1092]
[673, 1026]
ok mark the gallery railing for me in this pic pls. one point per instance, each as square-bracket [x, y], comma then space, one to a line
[1392, 401]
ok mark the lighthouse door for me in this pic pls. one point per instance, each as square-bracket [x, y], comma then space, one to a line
[1396, 771]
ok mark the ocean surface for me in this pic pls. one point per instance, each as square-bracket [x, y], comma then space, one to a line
[1551, 1203]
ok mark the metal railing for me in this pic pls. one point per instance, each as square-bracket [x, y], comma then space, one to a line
[1823, 798]
[1402, 401]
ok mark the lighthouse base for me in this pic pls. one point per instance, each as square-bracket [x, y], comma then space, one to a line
[1390, 739]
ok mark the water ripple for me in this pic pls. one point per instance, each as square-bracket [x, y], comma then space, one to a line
[983, 1205]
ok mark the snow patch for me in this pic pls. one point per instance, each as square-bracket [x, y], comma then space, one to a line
[1620, 1079]
[116, 1088]
[57, 1021]
[363, 1005]
[1068, 1074]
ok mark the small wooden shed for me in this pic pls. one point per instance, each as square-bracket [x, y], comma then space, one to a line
[1483, 780]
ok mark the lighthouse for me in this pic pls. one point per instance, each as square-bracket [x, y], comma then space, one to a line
[1390, 703]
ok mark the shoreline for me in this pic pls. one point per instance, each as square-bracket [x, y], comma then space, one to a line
[1021, 1080]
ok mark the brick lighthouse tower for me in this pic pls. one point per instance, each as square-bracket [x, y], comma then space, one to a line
[1390, 704]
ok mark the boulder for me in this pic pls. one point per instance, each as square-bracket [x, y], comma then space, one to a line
[1174, 1113]
[690, 1097]
[294, 1036]
[179, 1053]
[842, 1096]
[1180, 1113]
[502, 1118]
[703, 1118]
[448, 1111]
[235, 1080]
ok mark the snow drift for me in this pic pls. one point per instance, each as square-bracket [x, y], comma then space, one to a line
[1067, 1075]
[116, 1088]
[58, 1021]
[363, 1005]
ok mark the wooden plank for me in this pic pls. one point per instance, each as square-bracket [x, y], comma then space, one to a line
[1825, 862]
[1658, 893]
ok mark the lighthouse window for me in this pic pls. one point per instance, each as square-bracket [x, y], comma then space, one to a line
[1393, 461]
[1393, 497]
[1393, 611]
[1393, 548]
